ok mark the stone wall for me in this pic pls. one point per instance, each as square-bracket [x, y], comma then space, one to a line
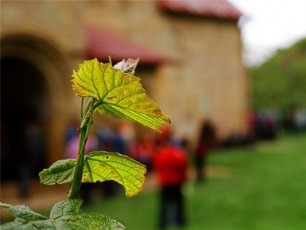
[203, 79]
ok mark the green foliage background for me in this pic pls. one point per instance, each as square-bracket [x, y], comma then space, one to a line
[280, 82]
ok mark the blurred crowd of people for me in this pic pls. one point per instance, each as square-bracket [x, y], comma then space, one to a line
[141, 146]
[121, 139]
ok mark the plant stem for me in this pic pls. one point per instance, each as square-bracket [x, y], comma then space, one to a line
[86, 122]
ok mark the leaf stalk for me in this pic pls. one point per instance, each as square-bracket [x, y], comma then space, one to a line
[86, 122]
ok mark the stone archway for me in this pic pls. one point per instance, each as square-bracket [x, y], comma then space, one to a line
[34, 87]
[23, 93]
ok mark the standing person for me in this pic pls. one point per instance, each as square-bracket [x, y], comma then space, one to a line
[205, 142]
[170, 165]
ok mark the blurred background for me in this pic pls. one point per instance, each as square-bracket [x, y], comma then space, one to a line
[221, 61]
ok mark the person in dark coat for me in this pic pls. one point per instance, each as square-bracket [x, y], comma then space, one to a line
[205, 143]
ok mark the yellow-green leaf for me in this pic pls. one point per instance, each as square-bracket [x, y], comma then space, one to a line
[99, 166]
[60, 172]
[102, 166]
[117, 93]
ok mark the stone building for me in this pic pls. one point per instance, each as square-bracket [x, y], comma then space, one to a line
[190, 61]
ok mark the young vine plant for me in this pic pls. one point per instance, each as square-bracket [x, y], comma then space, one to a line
[109, 90]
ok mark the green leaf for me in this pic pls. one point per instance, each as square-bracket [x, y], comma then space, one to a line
[66, 208]
[65, 215]
[59, 172]
[99, 166]
[24, 212]
[92, 221]
[102, 166]
[25, 218]
[117, 93]
[21, 224]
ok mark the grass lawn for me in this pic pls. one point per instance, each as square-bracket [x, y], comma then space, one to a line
[265, 188]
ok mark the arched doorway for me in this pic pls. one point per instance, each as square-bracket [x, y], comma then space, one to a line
[35, 87]
[23, 97]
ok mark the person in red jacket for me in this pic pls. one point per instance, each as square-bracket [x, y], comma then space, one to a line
[170, 166]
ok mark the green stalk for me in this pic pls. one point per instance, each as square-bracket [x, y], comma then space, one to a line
[86, 122]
